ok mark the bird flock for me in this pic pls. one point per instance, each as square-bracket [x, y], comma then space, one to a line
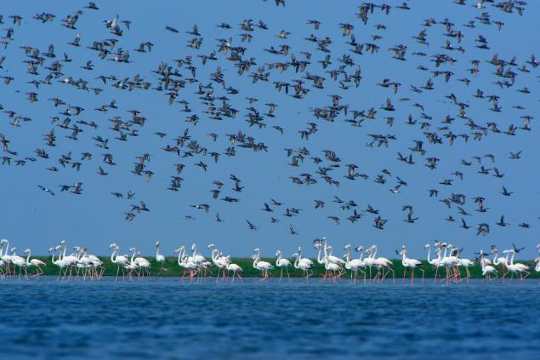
[447, 261]
[217, 82]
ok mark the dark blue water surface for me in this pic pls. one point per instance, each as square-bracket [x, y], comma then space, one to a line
[165, 318]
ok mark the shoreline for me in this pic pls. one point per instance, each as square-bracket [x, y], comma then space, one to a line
[170, 268]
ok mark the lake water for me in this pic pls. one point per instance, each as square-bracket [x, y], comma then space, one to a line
[169, 319]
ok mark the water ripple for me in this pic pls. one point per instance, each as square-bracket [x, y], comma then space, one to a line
[168, 319]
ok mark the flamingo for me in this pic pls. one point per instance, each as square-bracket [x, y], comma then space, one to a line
[353, 265]
[461, 262]
[383, 264]
[499, 261]
[131, 266]
[160, 259]
[69, 261]
[332, 264]
[185, 262]
[121, 261]
[263, 266]
[235, 269]
[83, 262]
[369, 261]
[466, 264]
[58, 262]
[450, 262]
[331, 258]
[143, 264]
[303, 264]
[34, 263]
[5, 257]
[303, 259]
[515, 268]
[92, 265]
[437, 261]
[282, 263]
[487, 270]
[202, 263]
[196, 257]
[18, 261]
[332, 268]
[320, 258]
[409, 263]
[219, 261]
[335, 264]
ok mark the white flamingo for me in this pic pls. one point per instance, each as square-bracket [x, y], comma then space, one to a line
[185, 262]
[488, 271]
[18, 261]
[463, 262]
[121, 261]
[302, 265]
[321, 256]
[221, 262]
[160, 259]
[235, 269]
[515, 268]
[58, 261]
[90, 265]
[132, 265]
[330, 257]
[499, 261]
[263, 266]
[34, 263]
[354, 265]
[436, 262]
[409, 263]
[196, 257]
[5, 257]
[304, 259]
[199, 260]
[143, 264]
[69, 261]
[332, 264]
[383, 264]
[282, 263]
[450, 262]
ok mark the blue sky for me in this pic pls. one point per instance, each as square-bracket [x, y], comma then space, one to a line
[35, 219]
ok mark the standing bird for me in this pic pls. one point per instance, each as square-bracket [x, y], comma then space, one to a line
[282, 263]
[301, 263]
[160, 259]
[235, 269]
[34, 263]
[354, 265]
[263, 266]
[487, 269]
[409, 263]
[121, 261]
